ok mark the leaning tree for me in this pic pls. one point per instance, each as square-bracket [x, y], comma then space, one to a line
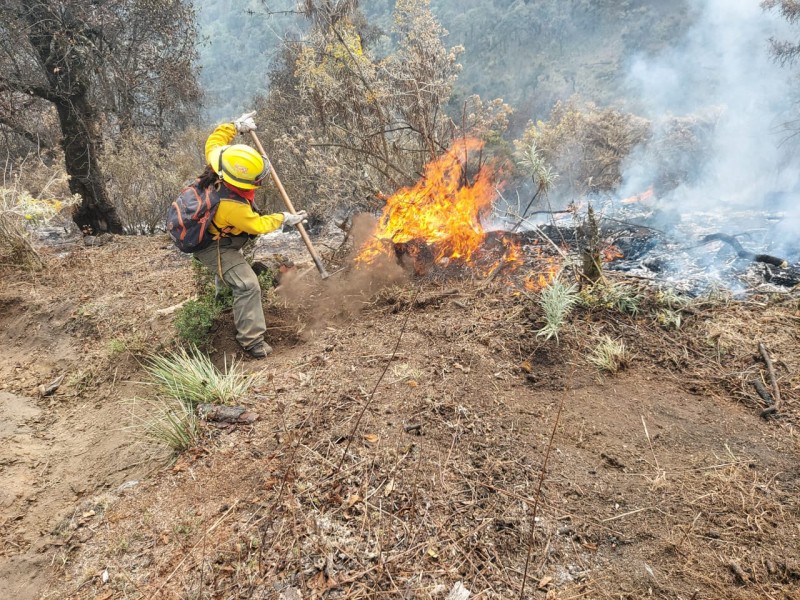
[105, 67]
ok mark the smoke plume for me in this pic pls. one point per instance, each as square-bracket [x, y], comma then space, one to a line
[724, 65]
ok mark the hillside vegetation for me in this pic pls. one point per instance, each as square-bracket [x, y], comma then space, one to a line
[556, 355]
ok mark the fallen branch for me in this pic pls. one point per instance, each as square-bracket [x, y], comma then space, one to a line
[742, 253]
[627, 514]
[236, 415]
[174, 308]
[741, 577]
[776, 392]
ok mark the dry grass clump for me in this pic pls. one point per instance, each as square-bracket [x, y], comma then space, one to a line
[15, 243]
[20, 213]
[191, 376]
[34, 194]
[183, 380]
[610, 355]
[169, 421]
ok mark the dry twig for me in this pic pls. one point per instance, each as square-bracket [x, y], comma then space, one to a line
[776, 392]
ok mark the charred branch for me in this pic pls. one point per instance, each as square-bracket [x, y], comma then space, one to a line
[741, 252]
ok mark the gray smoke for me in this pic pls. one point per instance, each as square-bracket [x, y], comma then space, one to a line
[725, 65]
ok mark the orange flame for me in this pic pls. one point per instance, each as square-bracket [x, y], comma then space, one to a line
[511, 260]
[644, 197]
[611, 253]
[439, 210]
[537, 281]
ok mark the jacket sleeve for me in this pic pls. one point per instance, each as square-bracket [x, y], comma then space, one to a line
[221, 136]
[242, 217]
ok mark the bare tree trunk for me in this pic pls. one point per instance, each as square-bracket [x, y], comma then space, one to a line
[96, 213]
[52, 35]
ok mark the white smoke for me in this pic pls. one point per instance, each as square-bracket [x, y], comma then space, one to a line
[725, 64]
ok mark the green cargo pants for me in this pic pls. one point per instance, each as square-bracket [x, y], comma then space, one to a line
[224, 258]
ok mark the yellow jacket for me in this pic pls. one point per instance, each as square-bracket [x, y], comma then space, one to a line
[236, 216]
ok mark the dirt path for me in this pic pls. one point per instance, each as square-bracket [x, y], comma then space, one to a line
[58, 451]
[651, 489]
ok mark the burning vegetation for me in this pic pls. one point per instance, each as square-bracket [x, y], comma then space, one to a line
[439, 222]
[443, 210]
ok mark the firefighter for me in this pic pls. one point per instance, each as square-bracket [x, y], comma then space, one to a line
[235, 172]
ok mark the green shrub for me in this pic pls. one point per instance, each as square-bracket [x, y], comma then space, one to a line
[195, 319]
[266, 279]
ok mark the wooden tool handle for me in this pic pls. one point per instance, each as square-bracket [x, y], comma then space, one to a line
[290, 208]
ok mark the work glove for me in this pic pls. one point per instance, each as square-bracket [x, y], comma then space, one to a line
[245, 123]
[290, 219]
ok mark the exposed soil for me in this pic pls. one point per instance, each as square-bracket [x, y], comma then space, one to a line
[661, 481]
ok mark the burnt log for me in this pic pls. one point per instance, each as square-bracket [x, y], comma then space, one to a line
[786, 277]
[762, 391]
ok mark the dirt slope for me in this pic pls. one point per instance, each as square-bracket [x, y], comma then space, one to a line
[58, 450]
[661, 481]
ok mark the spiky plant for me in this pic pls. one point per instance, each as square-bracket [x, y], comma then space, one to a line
[623, 298]
[542, 175]
[669, 298]
[192, 377]
[610, 355]
[616, 296]
[171, 422]
[669, 318]
[557, 301]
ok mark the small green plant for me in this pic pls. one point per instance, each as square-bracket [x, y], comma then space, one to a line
[669, 318]
[266, 279]
[557, 300]
[135, 343]
[669, 298]
[117, 346]
[610, 355]
[195, 319]
[191, 376]
[623, 298]
[616, 296]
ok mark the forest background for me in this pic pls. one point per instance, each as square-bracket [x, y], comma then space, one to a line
[355, 98]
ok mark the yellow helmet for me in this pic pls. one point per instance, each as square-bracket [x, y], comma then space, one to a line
[240, 165]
